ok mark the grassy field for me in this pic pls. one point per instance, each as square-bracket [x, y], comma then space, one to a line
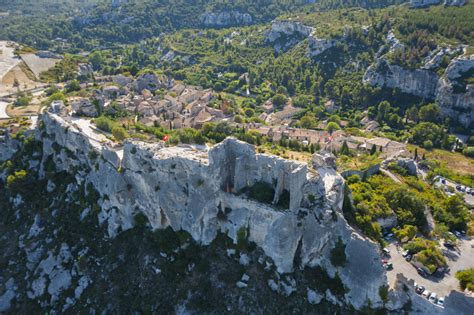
[452, 165]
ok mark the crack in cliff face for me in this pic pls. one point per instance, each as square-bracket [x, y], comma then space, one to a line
[188, 191]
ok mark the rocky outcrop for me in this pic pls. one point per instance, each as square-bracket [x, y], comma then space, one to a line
[317, 46]
[455, 98]
[225, 19]
[426, 3]
[284, 34]
[201, 191]
[459, 107]
[418, 82]
[459, 67]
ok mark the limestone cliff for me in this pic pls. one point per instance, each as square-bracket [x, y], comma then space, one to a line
[199, 191]
[417, 82]
[426, 3]
[317, 46]
[455, 98]
[284, 34]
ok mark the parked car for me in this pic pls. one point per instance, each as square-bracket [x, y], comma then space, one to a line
[457, 233]
[386, 251]
[441, 301]
[420, 289]
[388, 266]
[458, 187]
[448, 245]
[433, 298]
[443, 181]
[405, 253]
[408, 257]
[426, 294]
[421, 272]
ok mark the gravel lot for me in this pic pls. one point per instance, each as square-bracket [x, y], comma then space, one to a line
[460, 259]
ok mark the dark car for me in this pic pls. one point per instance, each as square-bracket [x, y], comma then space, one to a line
[449, 245]
[421, 272]
[419, 289]
[408, 257]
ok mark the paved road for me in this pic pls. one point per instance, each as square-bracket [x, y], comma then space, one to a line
[457, 260]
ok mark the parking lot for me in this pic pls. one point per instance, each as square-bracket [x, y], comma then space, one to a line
[443, 184]
[459, 259]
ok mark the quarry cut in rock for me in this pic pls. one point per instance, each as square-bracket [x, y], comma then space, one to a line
[202, 191]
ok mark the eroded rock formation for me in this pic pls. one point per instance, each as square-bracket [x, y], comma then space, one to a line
[455, 97]
[417, 82]
[426, 3]
[200, 191]
[284, 34]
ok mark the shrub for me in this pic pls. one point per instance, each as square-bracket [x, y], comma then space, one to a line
[104, 123]
[466, 279]
[468, 151]
[16, 181]
[262, 192]
[119, 133]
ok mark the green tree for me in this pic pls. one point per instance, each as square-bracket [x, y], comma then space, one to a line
[279, 100]
[430, 113]
[344, 148]
[466, 279]
[332, 126]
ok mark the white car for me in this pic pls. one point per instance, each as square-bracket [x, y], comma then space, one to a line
[426, 294]
[441, 301]
[433, 298]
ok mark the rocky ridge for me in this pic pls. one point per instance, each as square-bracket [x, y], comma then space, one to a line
[426, 3]
[455, 99]
[285, 34]
[198, 191]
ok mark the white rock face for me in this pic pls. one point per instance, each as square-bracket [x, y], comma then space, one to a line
[455, 103]
[317, 46]
[284, 34]
[459, 66]
[417, 82]
[224, 19]
[185, 188]
[425, 3]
